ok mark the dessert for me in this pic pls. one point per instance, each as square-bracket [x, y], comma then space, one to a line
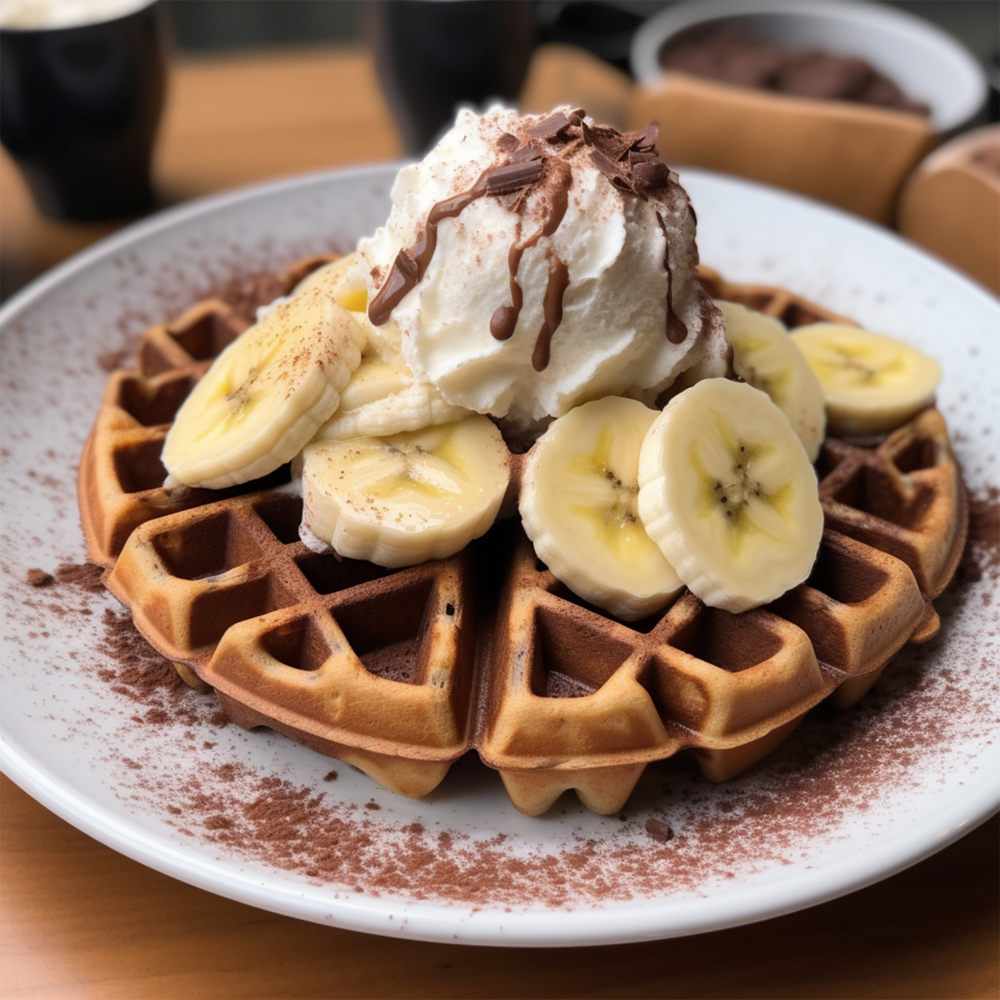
[404, 659]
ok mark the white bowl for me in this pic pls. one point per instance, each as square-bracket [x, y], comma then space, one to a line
[925, 62]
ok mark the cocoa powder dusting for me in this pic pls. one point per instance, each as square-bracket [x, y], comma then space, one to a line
[982, 552]
[87, 576]
[678, 835]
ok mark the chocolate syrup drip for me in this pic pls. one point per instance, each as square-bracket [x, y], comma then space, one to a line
[504, 320]
[411, 264]
[676, 330]
[552, 309]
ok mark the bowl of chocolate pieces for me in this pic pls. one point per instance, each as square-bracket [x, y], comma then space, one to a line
[838, 101]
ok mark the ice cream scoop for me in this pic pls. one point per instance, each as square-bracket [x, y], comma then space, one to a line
[534, 263]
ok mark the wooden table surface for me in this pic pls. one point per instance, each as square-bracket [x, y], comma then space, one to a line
[79, 920]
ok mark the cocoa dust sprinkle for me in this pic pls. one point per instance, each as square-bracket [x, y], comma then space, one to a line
[678, 835]
[87, 576]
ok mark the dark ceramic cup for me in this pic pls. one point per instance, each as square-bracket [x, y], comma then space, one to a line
[79, 111]
[434, 55]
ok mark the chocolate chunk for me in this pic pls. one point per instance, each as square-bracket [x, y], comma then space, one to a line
[529, 151]
[646, 139]
[635, 157]
[659, 830]
[611, 169]
[514, 176]
[610, 141]
[650, 178]
[39, 578]
[507, 143]
[550, 127]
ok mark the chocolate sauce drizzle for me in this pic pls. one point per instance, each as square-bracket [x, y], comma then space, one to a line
[541, 156]
[676, 330]
[411, 264]
[504, 320]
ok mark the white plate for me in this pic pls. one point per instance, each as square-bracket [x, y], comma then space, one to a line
[92, 727]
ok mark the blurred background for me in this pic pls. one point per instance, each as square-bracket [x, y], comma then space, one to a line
[206, 25]
[261, 89]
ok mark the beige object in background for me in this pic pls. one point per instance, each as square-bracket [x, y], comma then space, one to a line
[849, 155]
[565, 74]
[951, 205]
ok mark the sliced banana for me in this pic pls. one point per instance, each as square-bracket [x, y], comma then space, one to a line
[766, 357]
[871, 382]
[728, 493]
[266, 394]
[578, 507]
[407, 498]
[384, 397]
[342, 278]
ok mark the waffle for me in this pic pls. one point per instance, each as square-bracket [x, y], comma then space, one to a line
[401, 672]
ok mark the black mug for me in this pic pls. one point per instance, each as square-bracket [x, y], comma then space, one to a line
[434, 55]
[79, 110]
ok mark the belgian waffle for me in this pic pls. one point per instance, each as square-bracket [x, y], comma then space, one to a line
[400, 672]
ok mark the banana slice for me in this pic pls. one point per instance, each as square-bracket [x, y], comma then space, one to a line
[407, 498]
[728, 493]
[266, 394]
[384, 397]
[766, 357]
[872, 383]
[578, 507]
[342, 278]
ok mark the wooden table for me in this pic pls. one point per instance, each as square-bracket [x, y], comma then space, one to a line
[79, 920]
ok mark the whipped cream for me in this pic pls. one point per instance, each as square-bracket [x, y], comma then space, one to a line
[534, 263]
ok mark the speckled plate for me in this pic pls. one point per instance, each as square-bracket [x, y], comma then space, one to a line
[95, 726]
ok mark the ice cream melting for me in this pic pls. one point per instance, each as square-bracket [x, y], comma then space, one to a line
[533, 263]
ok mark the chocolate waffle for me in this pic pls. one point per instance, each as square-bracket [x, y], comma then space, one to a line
[400, 672]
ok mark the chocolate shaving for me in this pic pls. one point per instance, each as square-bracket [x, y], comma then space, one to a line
[507, 143]
[611, 169]
[514, 176]
[556, 126]
[549, 128]
[646, 139]
[610, 141]
[650, 179]
[635, 156]
[529, 151]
